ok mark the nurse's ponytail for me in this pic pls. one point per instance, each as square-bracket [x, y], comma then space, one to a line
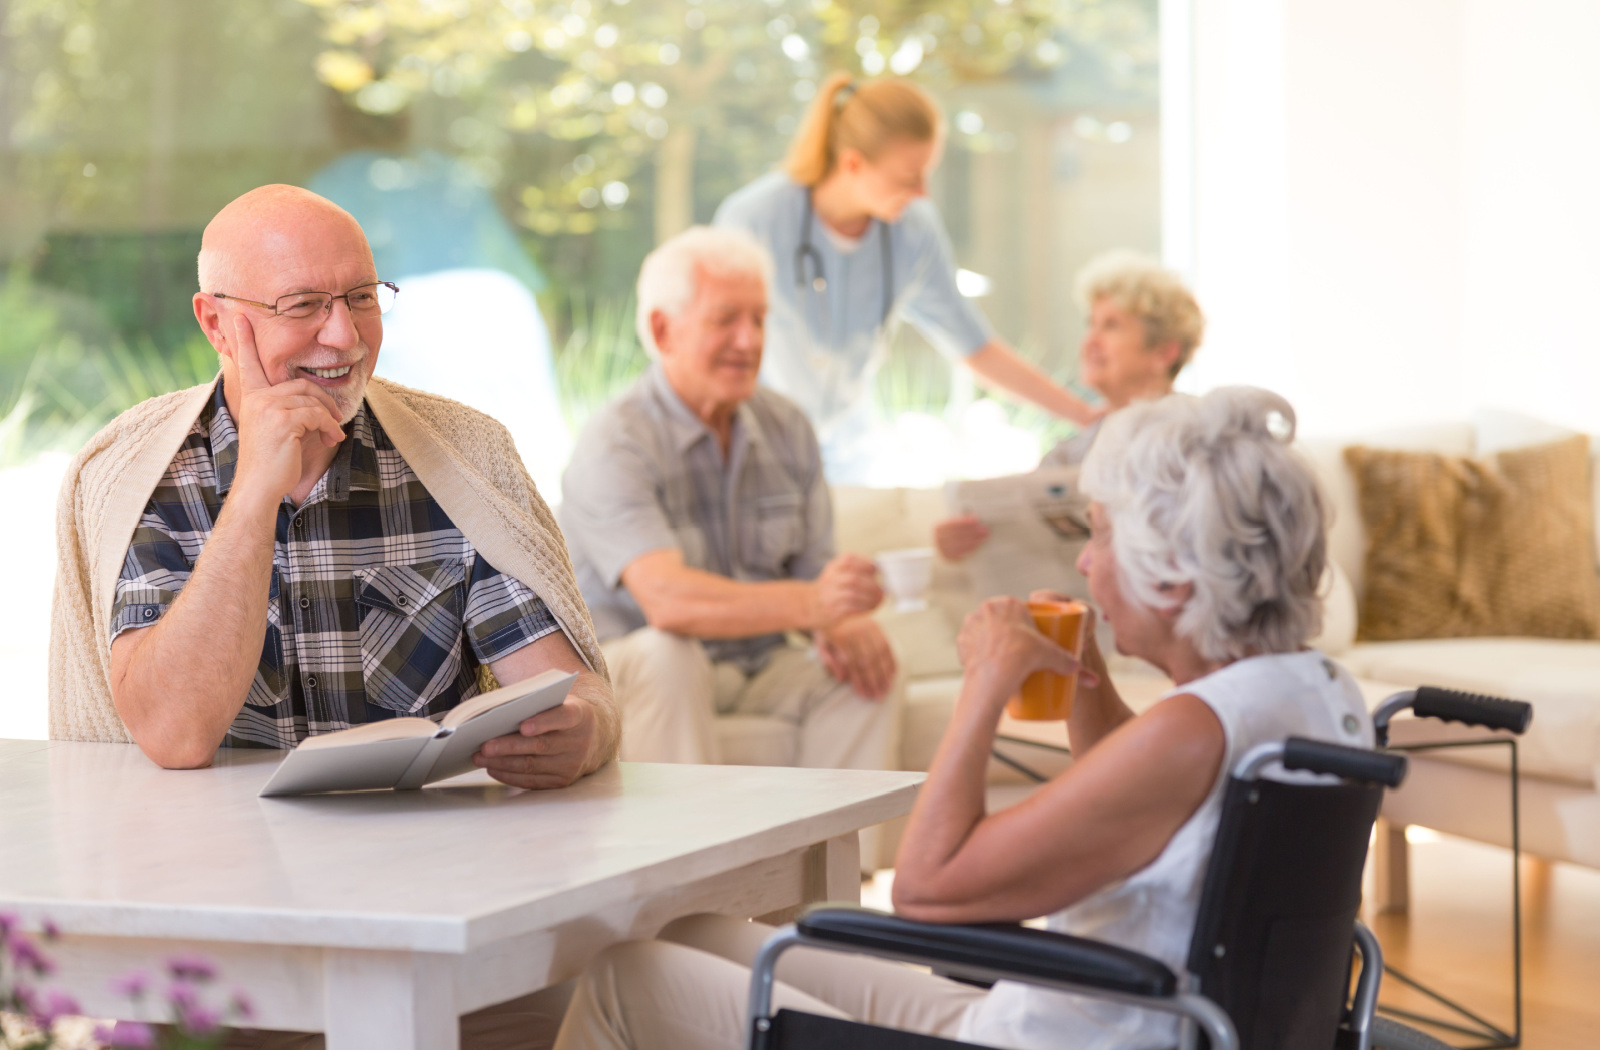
[865, 117]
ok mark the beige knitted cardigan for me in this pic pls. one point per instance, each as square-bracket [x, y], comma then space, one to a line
[466, 460]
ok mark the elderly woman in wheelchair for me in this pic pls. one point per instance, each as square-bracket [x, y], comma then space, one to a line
[1206, 557]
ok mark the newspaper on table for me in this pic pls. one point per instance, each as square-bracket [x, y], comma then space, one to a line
[1038, 522]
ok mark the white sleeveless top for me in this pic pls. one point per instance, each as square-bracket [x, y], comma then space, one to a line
[1258, 700]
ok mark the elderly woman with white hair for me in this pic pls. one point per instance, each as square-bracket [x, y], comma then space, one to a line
[1144, 327]
[1207, 551]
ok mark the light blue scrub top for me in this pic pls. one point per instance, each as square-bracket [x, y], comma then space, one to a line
[823, 349]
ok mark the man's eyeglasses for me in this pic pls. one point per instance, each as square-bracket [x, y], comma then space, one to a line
[375, 298]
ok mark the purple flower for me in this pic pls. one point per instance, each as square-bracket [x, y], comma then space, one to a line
[126, 1035]
[131, 985]
[58, 1004]
[8, 922]
[27, 957]
[183, 998]
[190, 968]
[199, 1021]
[51, 930]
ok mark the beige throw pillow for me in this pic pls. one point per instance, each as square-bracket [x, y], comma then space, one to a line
[1460, 547]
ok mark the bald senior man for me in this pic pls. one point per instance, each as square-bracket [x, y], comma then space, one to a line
[308, 548]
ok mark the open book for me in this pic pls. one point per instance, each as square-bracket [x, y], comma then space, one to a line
[407, 753]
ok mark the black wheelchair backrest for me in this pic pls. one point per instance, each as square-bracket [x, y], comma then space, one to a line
[1272, 942]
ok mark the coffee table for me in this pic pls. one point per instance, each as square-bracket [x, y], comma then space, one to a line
[380, 917]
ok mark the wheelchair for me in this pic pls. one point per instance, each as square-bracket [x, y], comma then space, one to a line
[1276, 937]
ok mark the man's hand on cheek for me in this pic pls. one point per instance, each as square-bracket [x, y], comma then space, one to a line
[275, 419]
[551, 750]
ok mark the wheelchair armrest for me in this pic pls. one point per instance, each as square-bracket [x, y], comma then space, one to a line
[993, 949]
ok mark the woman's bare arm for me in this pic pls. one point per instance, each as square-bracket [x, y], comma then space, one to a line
[1110, 814]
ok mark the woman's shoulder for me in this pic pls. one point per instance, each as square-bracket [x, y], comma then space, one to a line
[1300, 693]
[758, 201]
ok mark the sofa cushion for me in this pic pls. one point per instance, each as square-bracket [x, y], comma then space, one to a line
[1464, 547]
[1560, 678]
[1498, 431]
[1347, 541]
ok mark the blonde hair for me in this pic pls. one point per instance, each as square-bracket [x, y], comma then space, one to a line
[868, 117]
[1149, 291]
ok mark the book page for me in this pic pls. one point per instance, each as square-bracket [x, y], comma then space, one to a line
[1037, 523]
[523, 700]
[388, 729]
[477, 705]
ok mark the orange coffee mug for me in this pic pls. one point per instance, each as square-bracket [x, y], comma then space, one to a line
[1047, 696]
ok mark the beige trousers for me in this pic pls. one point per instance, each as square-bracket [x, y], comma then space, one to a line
[689, 990]
[671, 694]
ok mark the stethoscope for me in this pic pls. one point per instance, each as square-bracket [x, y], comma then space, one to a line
[807, 252]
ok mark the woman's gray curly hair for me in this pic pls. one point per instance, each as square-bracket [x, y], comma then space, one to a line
[1207, 491]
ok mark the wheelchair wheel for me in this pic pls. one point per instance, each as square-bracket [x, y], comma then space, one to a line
[1392, 1035]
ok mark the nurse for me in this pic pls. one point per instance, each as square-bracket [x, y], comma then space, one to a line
[858, 247]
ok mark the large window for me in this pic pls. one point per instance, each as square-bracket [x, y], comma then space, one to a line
[551, 144]
[588, 130]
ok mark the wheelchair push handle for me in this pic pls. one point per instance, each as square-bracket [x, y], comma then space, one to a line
[1353, 763]
[1473, 709]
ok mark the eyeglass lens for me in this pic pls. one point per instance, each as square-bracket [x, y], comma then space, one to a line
[371, 298]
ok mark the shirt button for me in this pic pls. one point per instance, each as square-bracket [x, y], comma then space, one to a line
[149, 614]
[299, 523]
[402, 601]
[305, 603]
[311, 681]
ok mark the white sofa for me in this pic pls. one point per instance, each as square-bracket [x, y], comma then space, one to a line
[1460, 793]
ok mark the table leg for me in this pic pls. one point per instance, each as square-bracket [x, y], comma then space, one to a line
[833, 871]
[394, 1000]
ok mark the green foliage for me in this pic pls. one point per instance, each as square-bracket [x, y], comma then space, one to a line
[600, 356]
[64, 373]
[638, 84]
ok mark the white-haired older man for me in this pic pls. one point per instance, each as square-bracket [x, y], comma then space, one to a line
[701, 530]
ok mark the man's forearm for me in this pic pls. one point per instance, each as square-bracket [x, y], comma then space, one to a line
[704, 605]
[183, 682]
[607, 718]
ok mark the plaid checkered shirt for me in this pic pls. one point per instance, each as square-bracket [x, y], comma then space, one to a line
[378, 606]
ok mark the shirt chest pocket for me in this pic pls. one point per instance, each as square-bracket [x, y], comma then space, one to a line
[776, 533]
[411, 631]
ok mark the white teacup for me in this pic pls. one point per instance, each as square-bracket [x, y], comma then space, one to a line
[907, 574]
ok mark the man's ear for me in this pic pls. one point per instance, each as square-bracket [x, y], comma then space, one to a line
[658, 330]
[1177, 596]
[210, 319]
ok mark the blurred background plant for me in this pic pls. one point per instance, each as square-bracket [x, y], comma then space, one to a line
[597, 127]
[64, 372]
[600, 356]
[33, 1017]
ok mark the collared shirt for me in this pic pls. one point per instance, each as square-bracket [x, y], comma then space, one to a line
[378, 605]
[649, 475]
[823, 348]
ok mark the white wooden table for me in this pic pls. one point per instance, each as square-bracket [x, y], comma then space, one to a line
[380, 917]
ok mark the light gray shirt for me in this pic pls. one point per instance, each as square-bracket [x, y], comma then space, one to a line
[649, 475]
